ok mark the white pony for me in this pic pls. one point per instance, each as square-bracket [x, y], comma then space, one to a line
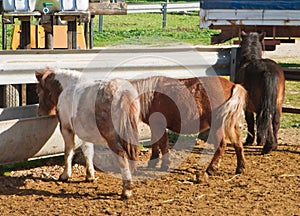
[97, 112]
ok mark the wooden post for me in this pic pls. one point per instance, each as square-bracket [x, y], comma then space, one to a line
[47, 23]
[91, 30]
[86, 34]
[164, 13]
[23, 97]
[72, 37]
[100, 28]
[25, 33]
[233, 63]
[4, 35]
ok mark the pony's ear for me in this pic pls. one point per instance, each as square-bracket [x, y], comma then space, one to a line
[262, 36]
[38, 75]
[49, 76]
[243, 34]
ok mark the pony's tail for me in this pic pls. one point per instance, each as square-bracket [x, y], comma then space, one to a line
[128, 125]
[267, 106]
[232, 113]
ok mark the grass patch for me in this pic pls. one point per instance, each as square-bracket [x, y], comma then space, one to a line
[146, 29]
[292, 99]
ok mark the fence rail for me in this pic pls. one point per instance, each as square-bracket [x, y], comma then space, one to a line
[16, 67]
[163, 8]
[157, 8]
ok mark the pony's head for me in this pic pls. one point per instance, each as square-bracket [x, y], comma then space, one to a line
[48, 90]
[252, 45]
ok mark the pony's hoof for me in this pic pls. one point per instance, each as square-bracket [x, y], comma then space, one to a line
[63, 178]
[126, 194]
[248, 144]
[267, 149]
[210, 171]
[89, 179]
[240, 170]
[202, 179]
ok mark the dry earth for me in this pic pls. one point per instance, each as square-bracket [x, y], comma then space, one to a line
[270, 186]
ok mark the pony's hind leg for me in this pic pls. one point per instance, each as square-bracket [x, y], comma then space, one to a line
[88, 153]
[216, 160]
[239, 150]
[276, 124]
[125, 170]
[249, 116]
[68, 137]
[273, 143]
[154, 155]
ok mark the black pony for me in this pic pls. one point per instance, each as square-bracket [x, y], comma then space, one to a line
[265, 83]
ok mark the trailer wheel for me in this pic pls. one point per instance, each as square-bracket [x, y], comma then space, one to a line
[11, 95]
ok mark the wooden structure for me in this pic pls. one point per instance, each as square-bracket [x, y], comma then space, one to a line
[48, 19]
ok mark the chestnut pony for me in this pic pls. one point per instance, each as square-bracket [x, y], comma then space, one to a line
[96, 112]
[264, 80]
[189, 106]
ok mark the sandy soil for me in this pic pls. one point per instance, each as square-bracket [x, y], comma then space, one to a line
[270, 186]
[285, 52]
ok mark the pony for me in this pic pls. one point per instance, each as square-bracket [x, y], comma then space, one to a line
[264, 80]
[96, 112]
[189, 106]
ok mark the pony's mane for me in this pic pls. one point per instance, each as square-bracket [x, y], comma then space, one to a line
[146, 88]
[67, 76]
[251, 47]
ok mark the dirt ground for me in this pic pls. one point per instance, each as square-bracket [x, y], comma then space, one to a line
[270, 186]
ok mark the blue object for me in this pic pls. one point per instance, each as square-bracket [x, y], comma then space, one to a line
[251, 4]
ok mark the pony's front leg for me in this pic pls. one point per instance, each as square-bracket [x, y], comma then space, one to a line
[88, 153]
[249, 116]
[154, 159]
[68, 137]
[164, 147]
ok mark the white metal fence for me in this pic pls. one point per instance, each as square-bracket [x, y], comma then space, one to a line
[157, 8]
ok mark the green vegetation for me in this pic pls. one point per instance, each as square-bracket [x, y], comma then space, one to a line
[292, 99]
[146, 29]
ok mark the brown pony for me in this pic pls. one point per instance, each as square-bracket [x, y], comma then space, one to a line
[189, 106]
[265, 83]
[97, 112]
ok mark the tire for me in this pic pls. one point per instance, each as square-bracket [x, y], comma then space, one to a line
[11, 95]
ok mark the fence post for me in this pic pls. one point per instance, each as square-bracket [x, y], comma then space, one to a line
[100, 27]
[164, 13]
[233, 62]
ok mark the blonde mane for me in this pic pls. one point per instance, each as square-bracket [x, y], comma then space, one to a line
[146, 88]
[68, 77]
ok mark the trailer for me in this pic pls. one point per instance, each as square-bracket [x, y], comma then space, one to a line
[279, 19]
